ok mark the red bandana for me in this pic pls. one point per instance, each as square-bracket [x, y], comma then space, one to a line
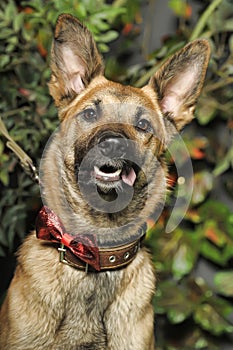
[50, 228]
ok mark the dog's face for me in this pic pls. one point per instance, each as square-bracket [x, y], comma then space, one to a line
[117, 127]
[114, 136]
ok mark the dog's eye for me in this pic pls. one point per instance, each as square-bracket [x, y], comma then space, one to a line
[144, 125]
[89, 114]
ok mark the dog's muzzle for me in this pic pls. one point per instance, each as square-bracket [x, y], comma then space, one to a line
[109, 164]
[113, 152]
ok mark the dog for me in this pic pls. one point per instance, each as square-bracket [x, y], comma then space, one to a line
[84, 280]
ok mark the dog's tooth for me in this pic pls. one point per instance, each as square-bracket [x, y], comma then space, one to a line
[106, 175]
[97, 170]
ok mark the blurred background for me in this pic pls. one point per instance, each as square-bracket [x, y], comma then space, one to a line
[194, 298]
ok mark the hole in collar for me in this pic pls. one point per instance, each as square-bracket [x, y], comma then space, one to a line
[126, 256]
[112, 258]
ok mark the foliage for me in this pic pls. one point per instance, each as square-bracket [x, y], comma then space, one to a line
[201, 311]
[25, 107]
[191, 313]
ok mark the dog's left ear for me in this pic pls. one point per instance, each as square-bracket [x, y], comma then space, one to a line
[75, 60]
[179, 81]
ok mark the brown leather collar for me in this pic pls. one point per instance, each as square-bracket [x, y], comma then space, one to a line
[110, 258]
[82, 251]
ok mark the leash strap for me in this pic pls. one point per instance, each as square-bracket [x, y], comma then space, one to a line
[25, 161]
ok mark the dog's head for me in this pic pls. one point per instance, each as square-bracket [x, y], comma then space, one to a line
[113, 136]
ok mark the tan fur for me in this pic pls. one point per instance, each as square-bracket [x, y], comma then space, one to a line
[52, 306]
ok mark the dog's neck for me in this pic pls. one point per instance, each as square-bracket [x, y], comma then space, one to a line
[108, 235]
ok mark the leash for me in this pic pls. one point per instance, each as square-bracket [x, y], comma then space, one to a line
[25, 161]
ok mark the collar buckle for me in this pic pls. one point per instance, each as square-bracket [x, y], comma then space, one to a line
[62, 251]
[62, 258]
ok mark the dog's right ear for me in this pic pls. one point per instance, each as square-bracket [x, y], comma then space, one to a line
[75, 60]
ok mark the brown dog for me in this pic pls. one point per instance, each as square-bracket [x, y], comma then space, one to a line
[102, 175]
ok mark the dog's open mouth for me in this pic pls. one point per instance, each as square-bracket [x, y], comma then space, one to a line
[108, 166]
[111, 174]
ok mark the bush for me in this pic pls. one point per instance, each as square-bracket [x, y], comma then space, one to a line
[197, 314]
[191, 313]
[26, 108]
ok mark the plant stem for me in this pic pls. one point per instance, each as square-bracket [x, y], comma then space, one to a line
[204, 18]
[143, 80]
[15, 111]
[219, 84]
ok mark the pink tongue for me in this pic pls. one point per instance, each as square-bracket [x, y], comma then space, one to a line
[130, 178]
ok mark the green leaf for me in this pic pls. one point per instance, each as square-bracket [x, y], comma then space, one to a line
[220, 213]
[4, 60]
[109, 36]
[173, 301]
[203, 183]
[214, 234]
[224, 283]
[224, 163]
[101, 25]
[180, 312]
[4, 177]
[227, 253]
[3, 238]
[111, 12]
[81, 10]
[214, 209]
[18, 22]
[183, 260]
[222, 306]
[180, 8]
[210, 320]
[213, 254]
[201, 343]
[206, 111]
[10, 11]
[231, 44]
[6, 33]
[228, 26]
[103, 47]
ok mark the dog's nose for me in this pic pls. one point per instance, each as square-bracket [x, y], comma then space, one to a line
[113, 146]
